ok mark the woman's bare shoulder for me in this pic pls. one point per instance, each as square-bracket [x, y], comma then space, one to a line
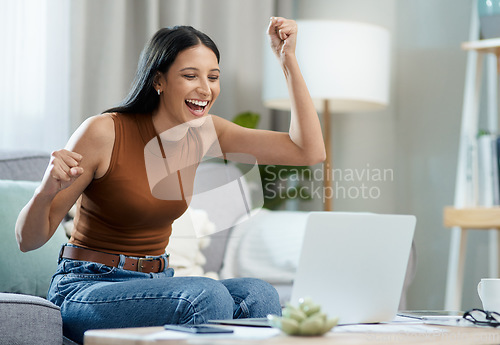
[221, 124]
[94, 140]
[101, 125]
[95, 130]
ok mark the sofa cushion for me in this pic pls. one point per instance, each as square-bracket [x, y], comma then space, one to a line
[267, 246]
[222, 211]
[27, 320]
[28, 273]
[187, 240]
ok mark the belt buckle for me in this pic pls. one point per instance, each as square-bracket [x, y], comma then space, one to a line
[140, 265]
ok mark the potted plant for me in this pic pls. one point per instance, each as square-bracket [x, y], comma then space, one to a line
[274, 177]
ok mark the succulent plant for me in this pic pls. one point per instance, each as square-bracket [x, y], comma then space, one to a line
[304, 320]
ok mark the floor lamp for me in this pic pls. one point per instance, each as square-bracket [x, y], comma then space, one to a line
[346, 68]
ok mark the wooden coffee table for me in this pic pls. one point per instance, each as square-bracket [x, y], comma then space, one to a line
[423, 334]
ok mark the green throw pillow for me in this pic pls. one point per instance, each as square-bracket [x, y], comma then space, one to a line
[28, 273]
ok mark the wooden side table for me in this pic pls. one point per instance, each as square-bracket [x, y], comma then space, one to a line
[478, 218]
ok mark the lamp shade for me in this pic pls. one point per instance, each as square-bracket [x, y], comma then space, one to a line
[346, 63]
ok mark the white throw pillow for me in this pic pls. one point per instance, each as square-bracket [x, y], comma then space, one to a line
[267, 246]
[185, 244]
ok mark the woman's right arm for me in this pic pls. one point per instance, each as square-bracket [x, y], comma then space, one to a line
[68, 174]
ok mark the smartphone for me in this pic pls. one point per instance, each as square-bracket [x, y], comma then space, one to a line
[198, 329]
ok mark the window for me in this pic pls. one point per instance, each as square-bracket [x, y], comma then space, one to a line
[34, 74]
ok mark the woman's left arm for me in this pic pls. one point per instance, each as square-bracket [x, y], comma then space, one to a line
[303, 144]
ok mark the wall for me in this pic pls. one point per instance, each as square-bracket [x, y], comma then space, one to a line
[417, 135]
[430, 82]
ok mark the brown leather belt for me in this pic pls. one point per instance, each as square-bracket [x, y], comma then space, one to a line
[146, 265]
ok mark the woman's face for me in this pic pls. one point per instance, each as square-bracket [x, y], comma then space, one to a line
[191, 85]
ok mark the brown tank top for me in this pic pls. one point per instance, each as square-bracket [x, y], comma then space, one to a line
[118, 213]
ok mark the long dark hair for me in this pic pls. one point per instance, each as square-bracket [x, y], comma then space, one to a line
[157, 56]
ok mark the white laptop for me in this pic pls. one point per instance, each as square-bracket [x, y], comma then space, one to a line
[353, 265]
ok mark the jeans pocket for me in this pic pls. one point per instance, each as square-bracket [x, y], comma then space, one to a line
[88, 270]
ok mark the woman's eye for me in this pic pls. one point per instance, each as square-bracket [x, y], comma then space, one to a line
[213, 77]
[189, 76]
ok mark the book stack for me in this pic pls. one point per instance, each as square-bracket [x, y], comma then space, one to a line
[488, 162]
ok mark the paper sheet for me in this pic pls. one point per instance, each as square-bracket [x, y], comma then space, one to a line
[388, 328]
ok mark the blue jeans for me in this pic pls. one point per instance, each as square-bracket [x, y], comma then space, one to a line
[93, 296]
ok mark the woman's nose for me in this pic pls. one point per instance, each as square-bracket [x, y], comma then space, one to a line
[204, 88]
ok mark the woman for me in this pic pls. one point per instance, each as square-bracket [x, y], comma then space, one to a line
[114, 270]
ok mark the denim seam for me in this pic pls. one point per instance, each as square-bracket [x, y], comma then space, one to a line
[191, 305]
[241, 302]
[57, 293]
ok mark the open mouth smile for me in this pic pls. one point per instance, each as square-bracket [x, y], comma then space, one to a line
[196, 107]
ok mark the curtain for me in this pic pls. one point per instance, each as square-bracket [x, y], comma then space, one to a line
[108, 36]
[34, 69]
